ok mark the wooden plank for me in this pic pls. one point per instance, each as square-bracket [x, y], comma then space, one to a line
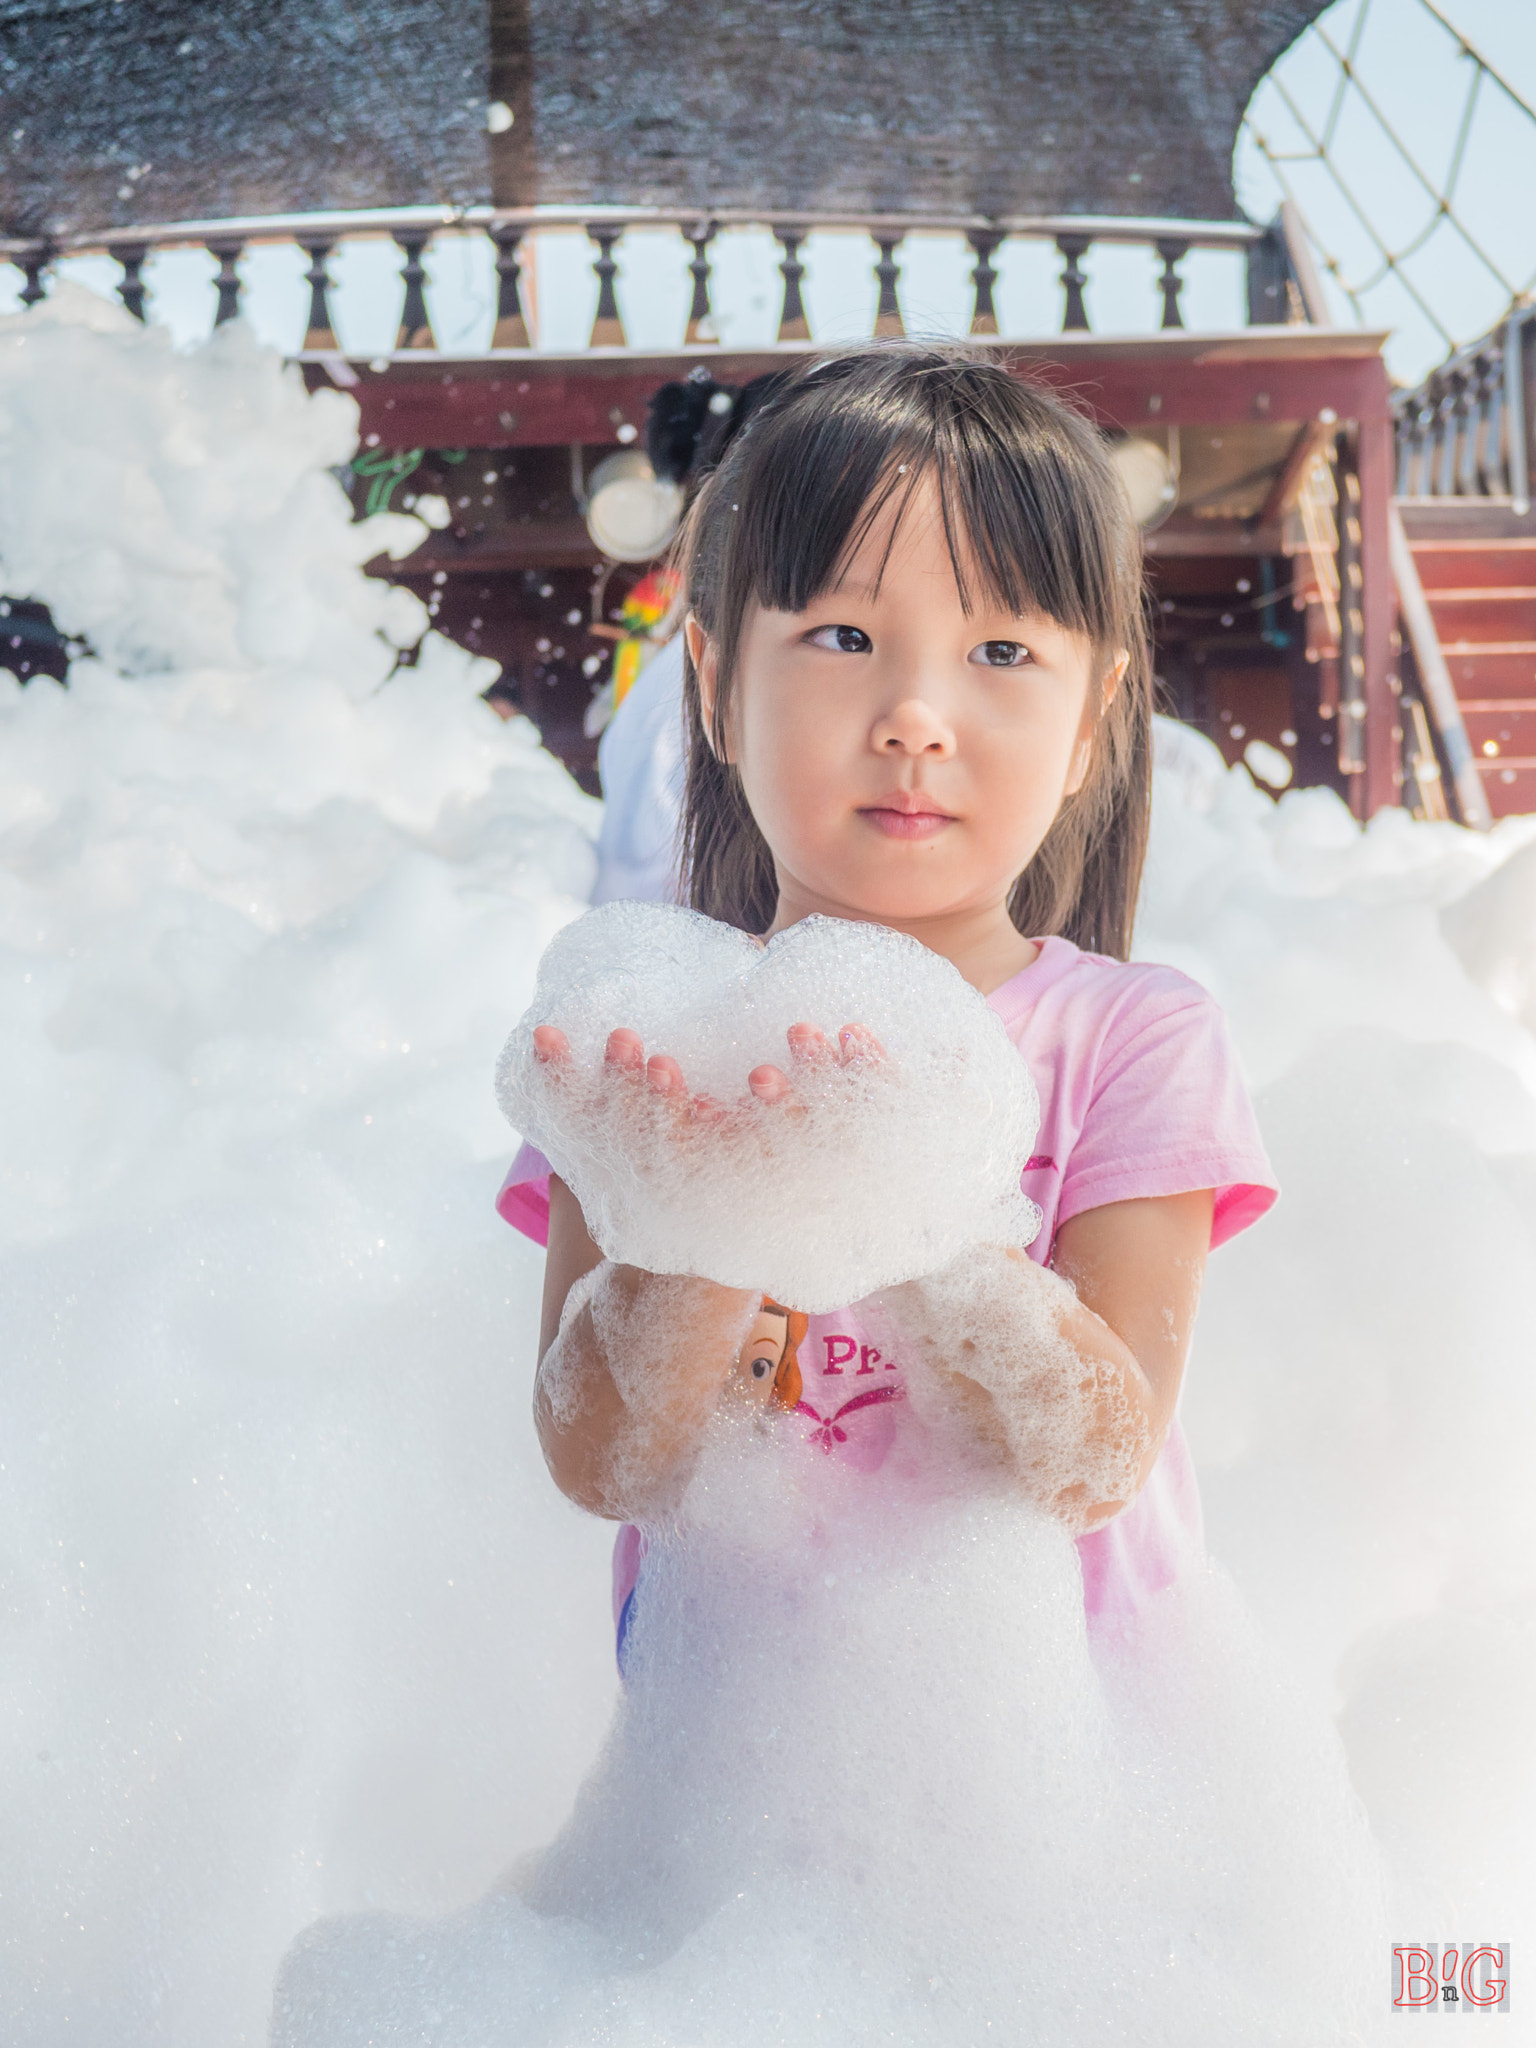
[1312, 438]
[518, 398]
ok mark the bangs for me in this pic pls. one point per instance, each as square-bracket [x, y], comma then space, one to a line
[1024, 489]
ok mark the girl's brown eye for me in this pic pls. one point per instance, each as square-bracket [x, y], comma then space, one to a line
[1000, 654]
[842, 639]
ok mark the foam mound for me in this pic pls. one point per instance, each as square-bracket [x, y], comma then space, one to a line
[882, 1170]
[872, 1781]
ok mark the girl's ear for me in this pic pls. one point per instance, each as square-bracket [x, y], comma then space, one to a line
[701, 652]
[1082, 754]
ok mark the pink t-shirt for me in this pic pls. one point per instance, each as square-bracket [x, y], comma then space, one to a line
[1140, 1095]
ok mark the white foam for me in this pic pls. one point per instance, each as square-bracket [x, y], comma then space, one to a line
[869, 1781]
[884, 1169]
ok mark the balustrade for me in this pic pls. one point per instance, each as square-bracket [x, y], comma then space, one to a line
[318, 236]
[1464, 432]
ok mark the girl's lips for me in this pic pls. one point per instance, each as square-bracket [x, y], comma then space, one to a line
[906, 824]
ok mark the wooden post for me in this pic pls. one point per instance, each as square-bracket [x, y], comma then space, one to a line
[1383, 711]
[1073, 277]
[511, 329]
[888, 320]
[793, 325]
[415, 326]
[130, 255]
[33, 264]
[984, 276]
[1350, 723]
[228, 279]
[1170, 284]
[319, 333]
[701, 321]
[607, 326]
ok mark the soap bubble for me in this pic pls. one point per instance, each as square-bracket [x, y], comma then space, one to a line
[886, 1167]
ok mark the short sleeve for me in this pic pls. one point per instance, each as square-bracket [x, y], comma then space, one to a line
[524, 1198]
[1169, 1113]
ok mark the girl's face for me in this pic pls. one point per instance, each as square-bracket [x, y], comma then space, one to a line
[903, 758]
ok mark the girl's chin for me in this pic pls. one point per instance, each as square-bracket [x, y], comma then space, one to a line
[908, 899]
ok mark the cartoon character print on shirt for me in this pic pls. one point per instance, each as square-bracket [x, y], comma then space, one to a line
[850, 1389]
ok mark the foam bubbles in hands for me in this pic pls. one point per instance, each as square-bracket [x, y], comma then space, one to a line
[880, 1170]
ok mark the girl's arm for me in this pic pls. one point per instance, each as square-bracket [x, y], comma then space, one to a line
[1138, 1268]
[1074, 1385]
[628, 1380]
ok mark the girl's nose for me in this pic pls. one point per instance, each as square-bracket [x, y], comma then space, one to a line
[913, 727]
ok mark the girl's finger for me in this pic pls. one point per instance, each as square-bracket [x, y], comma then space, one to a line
[808, 1045]
[770, 1084]
[624, 1049]
[859, 1045]
[665, 1076]
[550, 1045]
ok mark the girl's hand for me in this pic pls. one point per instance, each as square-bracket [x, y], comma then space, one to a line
[809, 1049]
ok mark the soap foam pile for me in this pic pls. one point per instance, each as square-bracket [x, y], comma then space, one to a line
[279, 1567]
[292, 1623]
[884, 1168]
[1361, 1403]
[870, 1782]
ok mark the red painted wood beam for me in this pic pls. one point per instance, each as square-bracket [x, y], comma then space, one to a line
[527, 400]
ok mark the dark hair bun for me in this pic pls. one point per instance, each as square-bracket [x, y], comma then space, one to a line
[690, 425]
[678, 415]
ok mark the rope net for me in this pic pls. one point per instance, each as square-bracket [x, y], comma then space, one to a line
[1409, 154]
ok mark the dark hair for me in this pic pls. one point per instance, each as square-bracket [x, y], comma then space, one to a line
[690, 425]
[1032, 508]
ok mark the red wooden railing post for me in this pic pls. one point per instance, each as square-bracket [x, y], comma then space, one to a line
[1383, 723]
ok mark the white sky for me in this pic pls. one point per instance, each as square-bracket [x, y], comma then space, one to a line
[1405, 61]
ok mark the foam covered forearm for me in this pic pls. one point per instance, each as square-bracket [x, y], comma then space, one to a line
[663, 1344]
[1070, 1424]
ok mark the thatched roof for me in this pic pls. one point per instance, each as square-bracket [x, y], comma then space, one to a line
[125, 111]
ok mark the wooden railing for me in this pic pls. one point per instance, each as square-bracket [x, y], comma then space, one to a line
[1465, 432]
[319, 235]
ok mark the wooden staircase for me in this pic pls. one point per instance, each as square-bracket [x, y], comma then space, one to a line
[1477, 563]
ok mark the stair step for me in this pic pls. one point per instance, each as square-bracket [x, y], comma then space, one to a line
[1481, 672]
[1442, 546]
[1506, 726]
[1471, 627]
[1510, 787]
[1474, 522]
[1473, 574]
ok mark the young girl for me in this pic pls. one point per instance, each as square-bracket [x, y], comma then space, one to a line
[874, 1776]
[919, 693]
